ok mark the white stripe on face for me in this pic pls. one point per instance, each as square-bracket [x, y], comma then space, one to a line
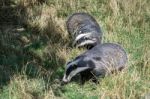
[73, 73]
[86, 42]
[92, 40]
[83, 35]
[72, 63]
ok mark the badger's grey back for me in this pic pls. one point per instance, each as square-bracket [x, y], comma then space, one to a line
[82, 20]
[107, 56]
[101, 60]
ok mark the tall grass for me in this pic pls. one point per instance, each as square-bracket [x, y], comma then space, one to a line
[37, 48]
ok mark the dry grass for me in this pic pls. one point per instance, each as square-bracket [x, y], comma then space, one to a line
[44, 46]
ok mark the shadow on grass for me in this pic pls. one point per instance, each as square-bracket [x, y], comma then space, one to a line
[27, 50]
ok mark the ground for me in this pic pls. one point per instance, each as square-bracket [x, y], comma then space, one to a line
[35, 46]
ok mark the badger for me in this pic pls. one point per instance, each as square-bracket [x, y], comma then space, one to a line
[84, 30]
[101, 60]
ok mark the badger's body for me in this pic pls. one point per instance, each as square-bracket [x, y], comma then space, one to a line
[84, 30]
[100, 60]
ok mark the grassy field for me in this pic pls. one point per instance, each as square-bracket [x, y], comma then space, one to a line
[35, 45]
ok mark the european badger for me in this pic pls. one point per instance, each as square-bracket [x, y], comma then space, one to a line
[84, 30]
[101, 60]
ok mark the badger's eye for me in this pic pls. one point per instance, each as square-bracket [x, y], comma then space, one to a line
[86, 38]
[78, 42]
[74, 66]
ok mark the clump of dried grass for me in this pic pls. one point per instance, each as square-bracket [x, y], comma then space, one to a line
[123, 21]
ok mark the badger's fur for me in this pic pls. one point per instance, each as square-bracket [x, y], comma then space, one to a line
[100, 60]
[84, 30]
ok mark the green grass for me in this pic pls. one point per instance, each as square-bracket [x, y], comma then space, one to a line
[35, 48]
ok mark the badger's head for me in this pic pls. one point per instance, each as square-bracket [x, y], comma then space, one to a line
[76, 66]
[87, 40]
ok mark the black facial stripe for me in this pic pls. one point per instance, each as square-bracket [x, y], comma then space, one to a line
[83, 39]
[88, 63]
[71, 68]
[91, 64]
[80, 40]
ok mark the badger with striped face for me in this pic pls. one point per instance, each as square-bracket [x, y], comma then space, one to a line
[84, 30]
[101, 60]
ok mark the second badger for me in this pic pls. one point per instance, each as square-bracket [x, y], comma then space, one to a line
[84, 30]
[100, 60]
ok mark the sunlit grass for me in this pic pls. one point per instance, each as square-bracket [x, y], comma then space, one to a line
[42, 59]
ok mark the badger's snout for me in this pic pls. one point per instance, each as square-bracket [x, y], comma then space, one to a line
[65, 80]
